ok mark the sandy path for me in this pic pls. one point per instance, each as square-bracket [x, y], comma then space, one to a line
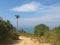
[29, 41]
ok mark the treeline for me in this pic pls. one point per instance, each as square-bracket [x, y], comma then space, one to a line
[44, 34]
[52, 36]
[7, 31]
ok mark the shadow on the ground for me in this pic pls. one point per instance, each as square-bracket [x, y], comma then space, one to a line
[11, 43]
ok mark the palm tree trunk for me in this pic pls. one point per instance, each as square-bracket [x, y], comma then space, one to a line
[17, 24]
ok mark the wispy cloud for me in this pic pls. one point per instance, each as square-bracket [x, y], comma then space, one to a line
[26, 7]
[43, 14]
[29, 7]
[51, 15]
[37, 20]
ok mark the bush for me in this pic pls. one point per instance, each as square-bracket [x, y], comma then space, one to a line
[7, 31]
[40, 29]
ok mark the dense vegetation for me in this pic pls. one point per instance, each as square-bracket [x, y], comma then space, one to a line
[40, 29]
[42, 32]
[7, 31]
[46, 35]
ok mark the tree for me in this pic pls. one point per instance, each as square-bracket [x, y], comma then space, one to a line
[40, 29]
[17, 16]
[7, 32]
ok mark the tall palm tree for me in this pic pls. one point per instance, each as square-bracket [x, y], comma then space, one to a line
[17, 17]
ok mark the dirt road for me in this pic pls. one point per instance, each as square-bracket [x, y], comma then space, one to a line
[29, 41]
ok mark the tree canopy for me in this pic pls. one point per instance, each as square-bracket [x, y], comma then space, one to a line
[40, 29]
[7, 31]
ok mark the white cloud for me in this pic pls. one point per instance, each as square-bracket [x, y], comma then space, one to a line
[29, 7]
[26, 7]
[53, 9]
[50, 15]
[49, 20]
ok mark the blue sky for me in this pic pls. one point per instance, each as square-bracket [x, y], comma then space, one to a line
[32, 12]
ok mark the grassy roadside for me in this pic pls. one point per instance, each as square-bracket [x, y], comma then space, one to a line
[33, 36]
